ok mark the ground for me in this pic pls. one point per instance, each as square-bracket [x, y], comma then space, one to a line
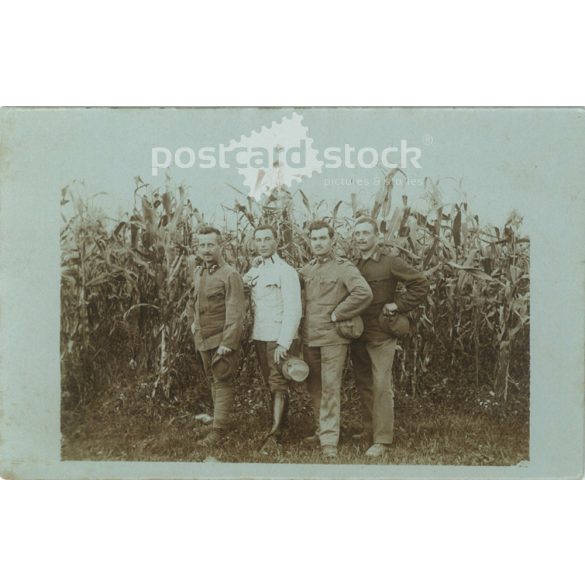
[127, 425]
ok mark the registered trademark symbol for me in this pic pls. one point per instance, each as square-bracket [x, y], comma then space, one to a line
[427, 139]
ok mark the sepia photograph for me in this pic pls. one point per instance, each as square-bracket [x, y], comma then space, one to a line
[286, 279]
[331, 288]
[376, 315]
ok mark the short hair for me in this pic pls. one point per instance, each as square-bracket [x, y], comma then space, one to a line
[319, 225]
[209, 229]
[366, 219]
[266, 226]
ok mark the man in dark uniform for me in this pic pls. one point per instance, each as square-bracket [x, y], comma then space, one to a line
[373, 353]
[333, 291]
[218, 324]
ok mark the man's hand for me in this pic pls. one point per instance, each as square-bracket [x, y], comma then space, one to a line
[280, 353]
[389, 309]
[223, 350]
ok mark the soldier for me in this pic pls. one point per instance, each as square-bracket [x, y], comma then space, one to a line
[219, 316]
[276, 303]
[334, 292]
[373, 353]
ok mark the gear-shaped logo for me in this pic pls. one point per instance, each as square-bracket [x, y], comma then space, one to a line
[276, 156]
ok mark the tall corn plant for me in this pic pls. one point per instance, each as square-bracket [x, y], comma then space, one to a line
[126, 288]
[161, 248]
[134, 278]
[94, 286]
[479, 299]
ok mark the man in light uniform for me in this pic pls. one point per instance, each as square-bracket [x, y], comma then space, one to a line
[276, 304]
[218, 323]
[334, 290]
[373, 353]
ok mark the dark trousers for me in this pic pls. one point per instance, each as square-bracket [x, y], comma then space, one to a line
[222, 391]
[271, 372]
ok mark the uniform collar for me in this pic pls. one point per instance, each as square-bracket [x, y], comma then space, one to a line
[375, 255]
[324, 259]
[216, 266]
[274, 259]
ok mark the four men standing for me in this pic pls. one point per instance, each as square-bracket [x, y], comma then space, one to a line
[335, 292]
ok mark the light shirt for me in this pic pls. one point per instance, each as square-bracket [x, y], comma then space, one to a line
[276, 301]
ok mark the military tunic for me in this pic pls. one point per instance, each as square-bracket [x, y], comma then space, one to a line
[331, 285]
[373, 353]
[219, 305]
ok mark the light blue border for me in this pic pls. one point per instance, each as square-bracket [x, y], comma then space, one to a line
[37, 150]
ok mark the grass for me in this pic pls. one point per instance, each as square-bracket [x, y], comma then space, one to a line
[127, 427]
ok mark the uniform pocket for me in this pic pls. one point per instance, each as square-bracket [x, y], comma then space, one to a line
[268, 292]
[214, 291]
[327, 289]
[310, 288]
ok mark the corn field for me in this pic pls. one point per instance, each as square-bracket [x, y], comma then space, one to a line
[126, 288]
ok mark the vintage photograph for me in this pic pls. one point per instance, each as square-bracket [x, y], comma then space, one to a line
[334, 286]
[286, 279]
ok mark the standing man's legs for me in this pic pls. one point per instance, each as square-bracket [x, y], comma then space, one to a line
[382, 357]
[364, 381]
[222, 392]
[262, 355]
[324, 384]
[332, 362]
[376, 387]
[274, 379]
[312, 356]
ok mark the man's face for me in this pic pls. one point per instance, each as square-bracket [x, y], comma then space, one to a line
[365, 236]
[265, 243]
[321, 243]
[208, 248]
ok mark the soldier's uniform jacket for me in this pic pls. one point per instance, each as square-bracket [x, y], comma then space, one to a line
[219, 306]
[331, 284]
[383, 272]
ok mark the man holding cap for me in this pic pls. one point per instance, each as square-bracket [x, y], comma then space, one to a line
[276, 304]
[218, 324]
[384, 320]
[335, 293]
